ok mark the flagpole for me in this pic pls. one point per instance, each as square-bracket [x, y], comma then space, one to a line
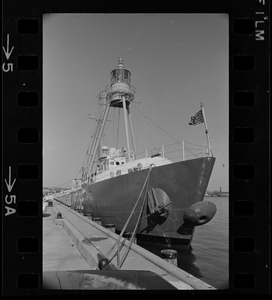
[206, 129]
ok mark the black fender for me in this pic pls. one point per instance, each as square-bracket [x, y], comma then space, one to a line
[199, 213]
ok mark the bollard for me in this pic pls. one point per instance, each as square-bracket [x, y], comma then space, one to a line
[170, 255]
[111, 227]
[104, 263]
[97, 220]
[50, 203]
[59, 215]
[128, 235]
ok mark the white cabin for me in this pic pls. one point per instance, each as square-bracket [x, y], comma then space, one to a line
[114, 162]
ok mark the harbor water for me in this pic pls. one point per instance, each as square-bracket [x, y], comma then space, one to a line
[208, 257]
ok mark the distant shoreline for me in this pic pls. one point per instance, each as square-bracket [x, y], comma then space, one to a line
[223, 194]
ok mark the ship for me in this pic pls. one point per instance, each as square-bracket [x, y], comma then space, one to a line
[158, 199]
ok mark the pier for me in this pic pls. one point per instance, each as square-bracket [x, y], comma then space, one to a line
[74, 242]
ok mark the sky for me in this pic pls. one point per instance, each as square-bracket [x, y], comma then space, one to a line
[176, 62]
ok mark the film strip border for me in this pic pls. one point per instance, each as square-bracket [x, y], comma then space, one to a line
[249, 150]
[22, 148]
[248, 138]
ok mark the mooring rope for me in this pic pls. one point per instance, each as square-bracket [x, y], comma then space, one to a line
[136, 226]
[125, 226]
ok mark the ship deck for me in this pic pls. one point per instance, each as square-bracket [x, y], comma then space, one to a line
[73, 242]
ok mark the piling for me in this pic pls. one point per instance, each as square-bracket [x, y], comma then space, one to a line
[88, 215]
[97, 220]
[111, 227]
[128, 235]
[170, 255]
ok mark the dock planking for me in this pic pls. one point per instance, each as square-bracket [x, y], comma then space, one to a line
[93, 240]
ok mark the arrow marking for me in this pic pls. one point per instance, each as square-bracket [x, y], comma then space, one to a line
[7, 52]
[8, 184]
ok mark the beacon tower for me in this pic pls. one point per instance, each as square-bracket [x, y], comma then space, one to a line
[119, 94]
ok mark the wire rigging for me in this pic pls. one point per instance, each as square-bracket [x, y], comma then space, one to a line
[161, 129]
[118, 127]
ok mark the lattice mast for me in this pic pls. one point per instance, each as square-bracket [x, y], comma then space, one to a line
[118, 94]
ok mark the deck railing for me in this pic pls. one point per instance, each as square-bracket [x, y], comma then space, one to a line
[177, 151]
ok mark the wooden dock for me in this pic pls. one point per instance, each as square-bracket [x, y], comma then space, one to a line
[74, 242]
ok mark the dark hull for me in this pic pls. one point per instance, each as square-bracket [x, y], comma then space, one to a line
[113, 199]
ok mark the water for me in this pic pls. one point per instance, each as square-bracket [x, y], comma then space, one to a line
[210, 246]
[208, 258]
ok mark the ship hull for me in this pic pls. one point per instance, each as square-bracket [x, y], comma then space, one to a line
[113, 199]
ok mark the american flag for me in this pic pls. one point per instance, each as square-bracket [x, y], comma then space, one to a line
[197, 118]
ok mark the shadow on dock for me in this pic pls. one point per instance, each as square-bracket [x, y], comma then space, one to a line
[46, 215]
[93, 239]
